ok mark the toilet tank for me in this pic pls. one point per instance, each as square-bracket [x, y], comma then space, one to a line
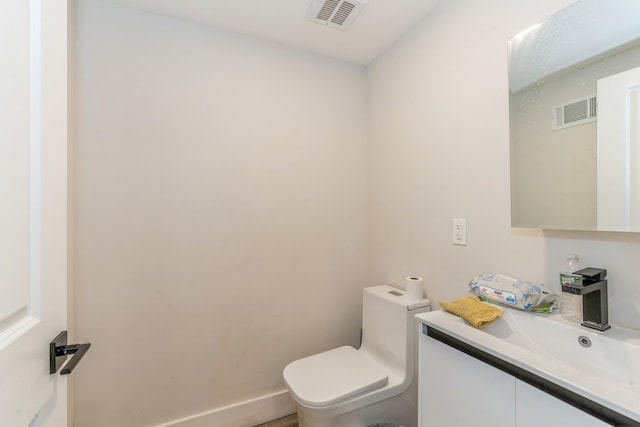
[389, 327]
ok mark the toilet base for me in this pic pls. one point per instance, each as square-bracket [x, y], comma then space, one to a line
[399, 410]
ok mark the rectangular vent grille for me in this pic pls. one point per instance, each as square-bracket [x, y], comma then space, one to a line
[343, 13]
[573, 113]
[335, 13]
[327, 10]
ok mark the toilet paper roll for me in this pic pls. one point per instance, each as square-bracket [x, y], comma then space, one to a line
[414, 288]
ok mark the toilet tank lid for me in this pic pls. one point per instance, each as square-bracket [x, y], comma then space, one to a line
[335, 375]
[397, 296]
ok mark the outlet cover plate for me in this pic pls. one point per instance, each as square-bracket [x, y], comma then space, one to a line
[460, 231]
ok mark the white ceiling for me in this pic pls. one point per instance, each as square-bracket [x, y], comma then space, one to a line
[378, 26]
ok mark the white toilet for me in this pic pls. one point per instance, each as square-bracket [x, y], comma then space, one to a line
[376, 384]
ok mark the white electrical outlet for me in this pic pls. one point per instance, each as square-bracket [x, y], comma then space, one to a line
[460, 231]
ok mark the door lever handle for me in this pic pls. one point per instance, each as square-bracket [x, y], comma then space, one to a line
[58, 351]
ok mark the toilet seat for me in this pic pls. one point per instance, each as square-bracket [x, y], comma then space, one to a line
[330, 377]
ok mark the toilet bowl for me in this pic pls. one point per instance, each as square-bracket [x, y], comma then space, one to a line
[377, 383]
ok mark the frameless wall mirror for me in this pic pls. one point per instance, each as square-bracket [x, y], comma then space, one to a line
[574, 84]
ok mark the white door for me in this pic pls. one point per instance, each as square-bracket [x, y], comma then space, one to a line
[33, 209]
[619, 151]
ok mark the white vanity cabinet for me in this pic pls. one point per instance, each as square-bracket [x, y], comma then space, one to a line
[535, 408]
[458, 390]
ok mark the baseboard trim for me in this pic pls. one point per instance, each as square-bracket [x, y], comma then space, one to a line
[243, 414]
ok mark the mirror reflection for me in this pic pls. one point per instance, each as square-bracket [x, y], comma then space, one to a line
[574, 83]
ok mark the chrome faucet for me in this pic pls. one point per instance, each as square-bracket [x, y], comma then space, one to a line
[595, 303]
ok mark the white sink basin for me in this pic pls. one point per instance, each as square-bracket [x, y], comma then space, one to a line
[606, 371]
[613, 355]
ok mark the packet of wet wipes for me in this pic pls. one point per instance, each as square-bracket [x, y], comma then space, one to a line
[512, 292]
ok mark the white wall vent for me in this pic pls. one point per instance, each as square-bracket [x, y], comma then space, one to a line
[335, 13]
[575, 112]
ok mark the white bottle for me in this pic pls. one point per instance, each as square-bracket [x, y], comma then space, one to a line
[570, 304]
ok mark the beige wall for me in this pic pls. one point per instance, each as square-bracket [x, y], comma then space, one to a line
[439, 149]
[220, 214]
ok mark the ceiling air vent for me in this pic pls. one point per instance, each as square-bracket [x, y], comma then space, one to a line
[335, 13]
[573, 113]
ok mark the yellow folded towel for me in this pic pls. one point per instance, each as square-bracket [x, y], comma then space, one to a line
[473, 311]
